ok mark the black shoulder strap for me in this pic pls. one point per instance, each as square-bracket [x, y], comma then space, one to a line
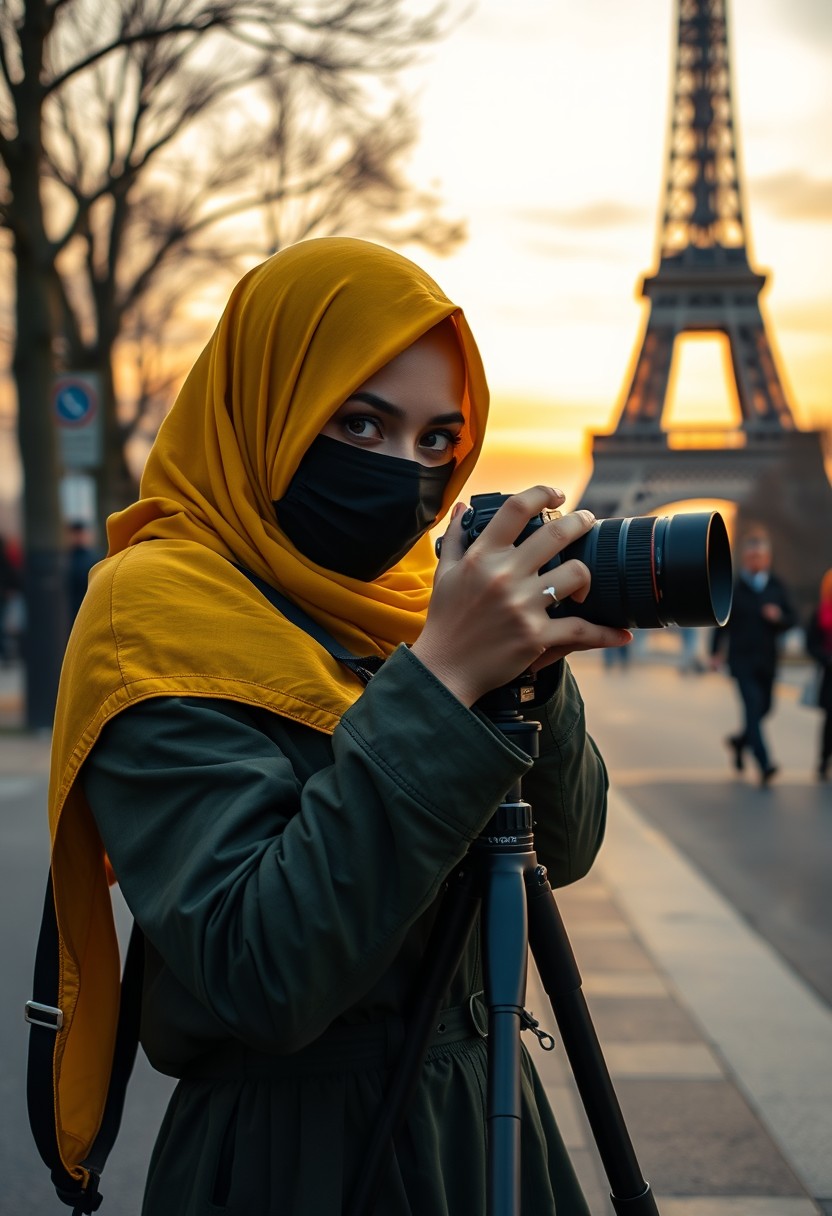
[364, 667]
[45, 1019]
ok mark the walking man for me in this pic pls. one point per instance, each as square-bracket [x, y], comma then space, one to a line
[761, 612]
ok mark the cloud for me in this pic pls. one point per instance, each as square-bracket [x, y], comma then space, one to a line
[551, 231]
[812, 317]
[794, 195]
[604, 213]
[811, 20]
[574, 250]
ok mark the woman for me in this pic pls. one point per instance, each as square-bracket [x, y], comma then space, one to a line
[280, 831]
[819, 646]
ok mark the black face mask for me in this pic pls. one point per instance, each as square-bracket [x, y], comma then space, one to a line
[358, 512]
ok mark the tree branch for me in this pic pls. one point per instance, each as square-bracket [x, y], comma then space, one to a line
[125, 40]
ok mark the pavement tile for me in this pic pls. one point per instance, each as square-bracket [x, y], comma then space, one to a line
[566, 1105]
[735, 1205]
[701, 1138]
[642, 1019]
[585, 907]
[666, 1060]
[623, 954]
[623, 983]
[605, 930]
[593, 1183]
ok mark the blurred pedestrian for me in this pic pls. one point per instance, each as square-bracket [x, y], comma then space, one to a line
[761, 613]
[819, 646]
[10, 585]
[616, 656]
[81, 557]
[690, 662]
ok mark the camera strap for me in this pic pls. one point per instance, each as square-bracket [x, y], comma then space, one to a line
[364, 667]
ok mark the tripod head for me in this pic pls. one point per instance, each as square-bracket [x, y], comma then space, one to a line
[505, 704]
[511, 826]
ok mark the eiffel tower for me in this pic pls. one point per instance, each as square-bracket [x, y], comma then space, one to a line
[770, 469]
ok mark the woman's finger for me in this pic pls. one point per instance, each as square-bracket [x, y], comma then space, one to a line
[451, 545]
[552, 537]
[593, 637]
[572, 579]
[514, 515]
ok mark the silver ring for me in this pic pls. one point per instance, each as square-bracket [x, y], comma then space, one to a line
[551, 591]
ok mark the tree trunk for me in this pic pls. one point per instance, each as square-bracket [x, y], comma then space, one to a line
[44, 577]
[44, 553]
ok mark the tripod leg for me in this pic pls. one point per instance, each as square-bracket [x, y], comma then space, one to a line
[630, 1194]
[505, 960]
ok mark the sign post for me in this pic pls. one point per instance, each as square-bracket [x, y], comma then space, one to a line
[76, 402]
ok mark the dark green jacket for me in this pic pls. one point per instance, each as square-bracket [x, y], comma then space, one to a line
[286, 882]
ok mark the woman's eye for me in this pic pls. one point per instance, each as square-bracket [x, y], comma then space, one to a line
[360, 427]
[440, 441]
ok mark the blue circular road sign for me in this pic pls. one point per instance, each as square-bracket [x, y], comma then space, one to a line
[75, 399]
[75, 402]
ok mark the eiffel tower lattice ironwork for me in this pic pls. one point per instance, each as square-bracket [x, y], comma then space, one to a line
[773, 471]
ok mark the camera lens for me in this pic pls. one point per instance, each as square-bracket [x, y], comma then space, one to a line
[648, 572]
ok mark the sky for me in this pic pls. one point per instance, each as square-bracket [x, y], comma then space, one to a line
[544, 123]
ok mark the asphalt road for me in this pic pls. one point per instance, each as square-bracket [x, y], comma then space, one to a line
[26, 1187]
[768, 851]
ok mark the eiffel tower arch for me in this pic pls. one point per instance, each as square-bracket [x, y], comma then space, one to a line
[770, 469]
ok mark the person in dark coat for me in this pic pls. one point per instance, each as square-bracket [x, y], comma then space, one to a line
[281, 823]
[81, 557]
[761, 613]
[819, 647]
[10, 585]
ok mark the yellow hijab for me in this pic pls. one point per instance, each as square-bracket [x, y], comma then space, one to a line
[299, 334]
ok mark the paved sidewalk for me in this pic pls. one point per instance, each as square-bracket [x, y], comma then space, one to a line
[721, 1057]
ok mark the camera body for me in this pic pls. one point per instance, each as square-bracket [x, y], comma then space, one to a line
[647, 571]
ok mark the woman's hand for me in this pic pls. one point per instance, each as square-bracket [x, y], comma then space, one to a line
[487, 622]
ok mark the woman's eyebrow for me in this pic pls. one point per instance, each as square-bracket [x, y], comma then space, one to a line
[379, 403]
[395, 411]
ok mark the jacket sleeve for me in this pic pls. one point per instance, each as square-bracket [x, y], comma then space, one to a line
[789, 618]
[567, 786]
[277, 902]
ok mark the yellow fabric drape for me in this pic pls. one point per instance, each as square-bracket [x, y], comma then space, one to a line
[299, 334]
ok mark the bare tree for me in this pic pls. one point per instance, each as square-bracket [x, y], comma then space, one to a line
[147, 142]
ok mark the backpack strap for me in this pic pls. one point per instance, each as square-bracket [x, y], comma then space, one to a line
[364, 667]
[45, 1020]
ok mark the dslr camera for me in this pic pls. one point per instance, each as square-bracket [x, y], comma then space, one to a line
[647, 571]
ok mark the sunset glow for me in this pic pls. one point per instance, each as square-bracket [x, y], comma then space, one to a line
[546, 125]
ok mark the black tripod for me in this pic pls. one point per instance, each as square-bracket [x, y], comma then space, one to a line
[501, 877]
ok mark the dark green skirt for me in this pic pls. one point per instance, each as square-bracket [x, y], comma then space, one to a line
[248, 1135]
